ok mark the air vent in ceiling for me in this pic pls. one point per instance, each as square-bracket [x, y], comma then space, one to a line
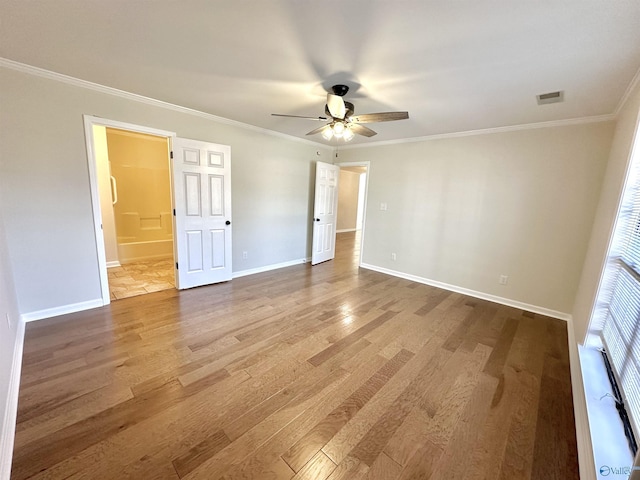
[551, 97]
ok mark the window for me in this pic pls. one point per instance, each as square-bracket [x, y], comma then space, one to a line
[618, 308]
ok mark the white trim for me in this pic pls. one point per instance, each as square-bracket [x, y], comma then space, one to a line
[268, 268]
[7, 435]
[488, 131]
[632, 85]
[95, 208]
[113, 264]
[62, 310]
[59, 77]
[132, 127]
[586, 459]
[345, 230]
[89, 122]
[472, 293]
[612, 229]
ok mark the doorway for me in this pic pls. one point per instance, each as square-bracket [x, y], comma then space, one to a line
[135, 195]
[352, 200]
[139, 227]
[200, 185]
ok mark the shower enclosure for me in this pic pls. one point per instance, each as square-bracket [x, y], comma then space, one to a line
[140, 195]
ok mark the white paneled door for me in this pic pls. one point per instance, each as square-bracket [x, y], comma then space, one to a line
[202, 192]
[325, 212]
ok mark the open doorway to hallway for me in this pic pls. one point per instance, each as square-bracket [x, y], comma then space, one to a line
[348, 247]
[351, 210]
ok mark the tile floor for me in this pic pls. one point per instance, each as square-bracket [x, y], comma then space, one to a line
[141, 277]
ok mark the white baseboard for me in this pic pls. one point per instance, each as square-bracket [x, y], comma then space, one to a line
[344, 230]
[267, 268]
[62, 310]
[586, 460]
[11, 407]
[77, 307]
[113, 264]
[472, 293]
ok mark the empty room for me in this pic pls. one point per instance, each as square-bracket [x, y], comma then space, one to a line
[319, 240]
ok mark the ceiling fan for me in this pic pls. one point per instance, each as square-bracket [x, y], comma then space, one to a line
[343, 123]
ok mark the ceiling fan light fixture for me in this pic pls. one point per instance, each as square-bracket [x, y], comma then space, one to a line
[348, 135]
[343, 123]
[338, 129]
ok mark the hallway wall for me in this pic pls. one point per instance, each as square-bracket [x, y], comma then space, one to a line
[348, 189]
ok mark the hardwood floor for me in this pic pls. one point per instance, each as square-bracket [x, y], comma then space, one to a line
[324, 372]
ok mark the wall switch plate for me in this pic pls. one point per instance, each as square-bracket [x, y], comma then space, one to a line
[383, 206]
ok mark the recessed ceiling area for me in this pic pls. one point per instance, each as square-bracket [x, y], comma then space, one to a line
[454, 66]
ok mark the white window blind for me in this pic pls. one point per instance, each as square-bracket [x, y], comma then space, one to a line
[619, 297]
[622, 340]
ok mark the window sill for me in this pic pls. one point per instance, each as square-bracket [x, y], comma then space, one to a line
[612, 456]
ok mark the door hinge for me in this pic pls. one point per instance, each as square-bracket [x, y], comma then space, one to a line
[176, 265]
[171, 154]
[174, 212]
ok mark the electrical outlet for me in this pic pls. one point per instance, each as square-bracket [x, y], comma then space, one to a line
[383, 206]
[245, 255]
[503, 279]
[393, 256]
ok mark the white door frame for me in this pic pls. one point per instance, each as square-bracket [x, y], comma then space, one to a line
[89, 122]
[366, 196]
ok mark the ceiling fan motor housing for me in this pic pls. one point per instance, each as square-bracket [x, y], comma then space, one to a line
[340, 90]
[348, 106]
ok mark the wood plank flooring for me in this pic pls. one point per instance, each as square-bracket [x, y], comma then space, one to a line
[325, 372]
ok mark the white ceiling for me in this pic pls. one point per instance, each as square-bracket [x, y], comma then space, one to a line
[454, 65]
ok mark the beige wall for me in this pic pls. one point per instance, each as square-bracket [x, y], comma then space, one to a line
[462, 211]
[46, 185]
[609, 199]
[348, 200]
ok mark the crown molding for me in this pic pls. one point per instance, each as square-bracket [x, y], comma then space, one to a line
[60, 77]
[632, 85]
[488, 131]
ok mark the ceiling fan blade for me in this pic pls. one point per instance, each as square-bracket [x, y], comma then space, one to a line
[319, 129]
[336, 106]
[380, 117]
[362, 130]
[322, 119]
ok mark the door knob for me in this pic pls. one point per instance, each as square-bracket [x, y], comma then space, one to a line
[227, 222]
[317, 219]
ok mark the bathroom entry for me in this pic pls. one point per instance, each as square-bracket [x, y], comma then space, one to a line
[134, 182]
